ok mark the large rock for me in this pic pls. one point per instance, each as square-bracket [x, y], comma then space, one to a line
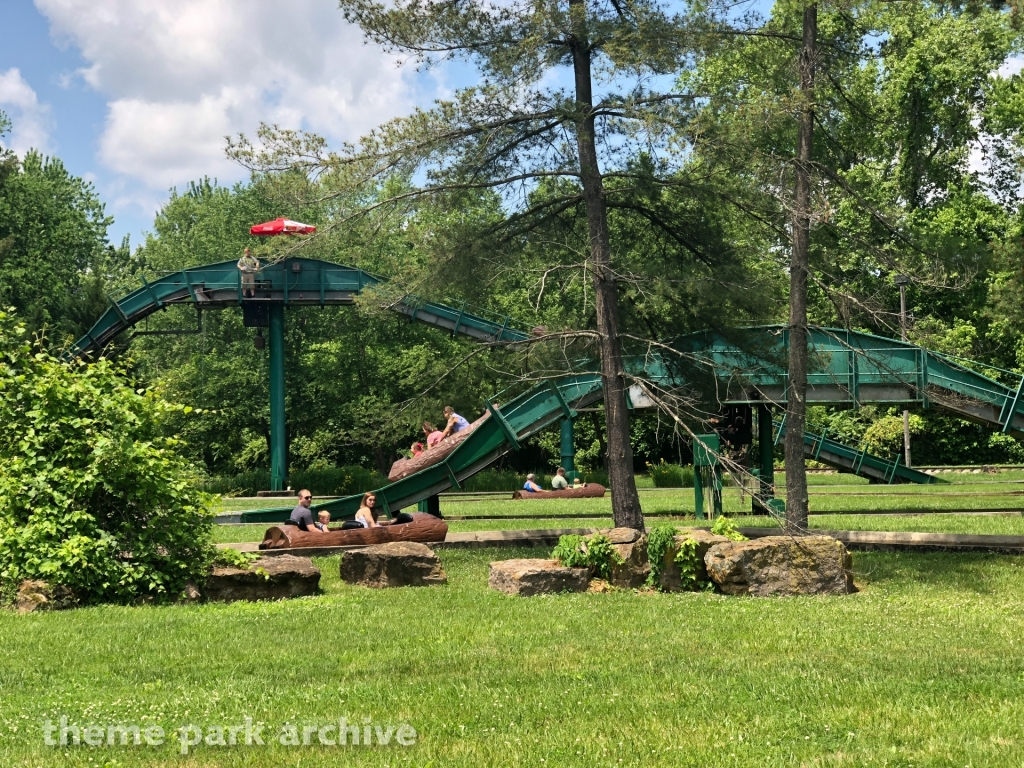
[536, 577]
[631, 547]
[36, 595]
[269, 578]
[398, 564]
[781, 565]
[670, 578]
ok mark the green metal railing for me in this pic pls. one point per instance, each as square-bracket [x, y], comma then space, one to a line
[827, 450]
[850, 369]
[293, 282]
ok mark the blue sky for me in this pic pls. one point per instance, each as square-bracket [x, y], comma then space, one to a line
[138, 96]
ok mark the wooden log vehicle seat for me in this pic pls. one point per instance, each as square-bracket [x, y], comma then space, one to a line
[585, 491]
[423, 528]
[430, 457]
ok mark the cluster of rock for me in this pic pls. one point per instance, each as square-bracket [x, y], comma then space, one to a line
[268, 578]
[772, 565]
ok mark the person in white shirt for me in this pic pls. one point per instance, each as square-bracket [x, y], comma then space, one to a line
[558, 482]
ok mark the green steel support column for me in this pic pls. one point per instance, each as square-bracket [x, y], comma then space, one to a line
[698, 493]
[278, 449]
[568, 450]
[765, 447]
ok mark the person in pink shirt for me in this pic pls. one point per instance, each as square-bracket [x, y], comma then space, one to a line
[433, 435]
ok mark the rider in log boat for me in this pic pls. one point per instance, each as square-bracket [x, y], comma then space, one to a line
[301, 516]
[558, 482]
[530, 486]
[366, 516]
[455, 424]
[433, 434]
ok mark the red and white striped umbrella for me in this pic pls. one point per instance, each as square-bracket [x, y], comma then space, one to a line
[281, 227]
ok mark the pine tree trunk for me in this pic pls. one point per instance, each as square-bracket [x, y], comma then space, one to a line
[626, 510]
[796, 401]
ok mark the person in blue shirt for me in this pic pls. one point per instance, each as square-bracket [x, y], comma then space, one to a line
[455, 422]
[530, 486]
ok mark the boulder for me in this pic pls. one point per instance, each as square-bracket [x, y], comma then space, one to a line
[781, 565]
[269, 578]
[398, 564]
[631, 546]
[670, 578]
[536, 577]
[34, 595]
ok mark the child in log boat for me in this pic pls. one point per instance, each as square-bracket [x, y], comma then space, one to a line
[324, 521]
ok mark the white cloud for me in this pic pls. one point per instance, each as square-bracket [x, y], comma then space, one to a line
[1011, 66]
[180, 75]
[31, 120]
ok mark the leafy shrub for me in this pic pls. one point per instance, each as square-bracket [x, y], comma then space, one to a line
[331, 481]
[91, 496]
[670, 475]
[234, 558]
[595, 552]
[723, 526]
[688, 563]
[660, 540]
[337, 481]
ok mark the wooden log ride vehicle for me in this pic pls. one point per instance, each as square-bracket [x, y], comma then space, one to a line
[437, 454]
[424, 528]
[585, 491]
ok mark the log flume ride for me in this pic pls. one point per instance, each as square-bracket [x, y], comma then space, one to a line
[423, 528]
[588, 491]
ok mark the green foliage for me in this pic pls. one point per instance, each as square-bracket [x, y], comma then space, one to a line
[594, 552]
[228, 557]
[670, 475]
[660, 540]
[723, 526]
[688, 562]
[53, 246]
[329, 481]
[91, 496]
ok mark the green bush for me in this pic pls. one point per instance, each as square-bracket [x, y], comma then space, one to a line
[331, 481]
[594, 552]
[670, 475]
[91, 496]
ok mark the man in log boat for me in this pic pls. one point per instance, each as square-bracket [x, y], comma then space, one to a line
[558, 482]
[301, 517]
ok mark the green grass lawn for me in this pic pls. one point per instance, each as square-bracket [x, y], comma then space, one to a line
[922, 667]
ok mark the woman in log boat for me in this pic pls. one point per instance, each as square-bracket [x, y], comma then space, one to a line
[367, 514]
